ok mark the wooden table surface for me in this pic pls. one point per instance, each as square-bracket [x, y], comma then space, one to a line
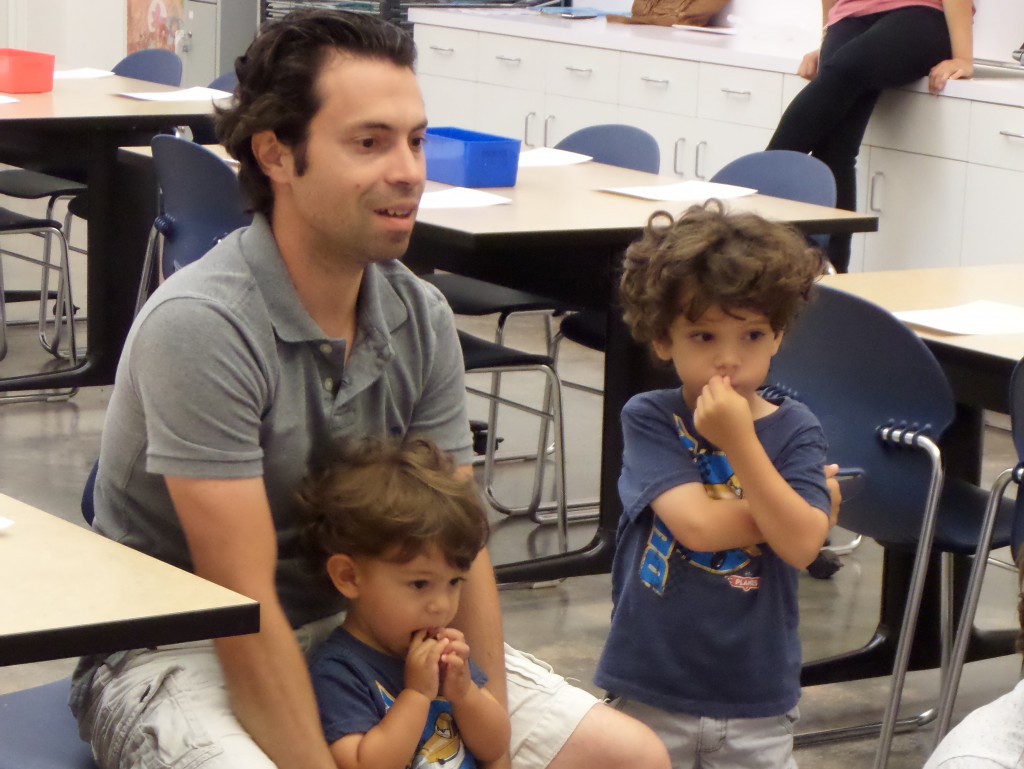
[65, 590]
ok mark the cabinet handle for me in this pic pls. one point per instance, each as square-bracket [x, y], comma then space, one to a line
[654, 80]
[510, 59]
[580, 70]
[677, 156]
[698, 160]
[439, 49]
[547, 122]
[1011, 135]
[734, 92]
[526, 128]
[875, 192]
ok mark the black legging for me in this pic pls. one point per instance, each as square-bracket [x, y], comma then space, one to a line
[860, 57]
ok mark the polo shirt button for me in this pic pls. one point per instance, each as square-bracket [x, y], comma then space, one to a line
[329, 384]
[326, 349]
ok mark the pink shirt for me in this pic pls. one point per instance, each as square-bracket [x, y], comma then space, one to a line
[844, 8]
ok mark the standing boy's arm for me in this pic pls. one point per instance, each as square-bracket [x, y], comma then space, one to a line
[705, 524]
[794, 529]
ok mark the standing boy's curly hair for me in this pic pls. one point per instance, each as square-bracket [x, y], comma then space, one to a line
[709, 258]
[386, 499]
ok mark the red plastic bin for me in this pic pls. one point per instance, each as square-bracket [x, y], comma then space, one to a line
[25, 71]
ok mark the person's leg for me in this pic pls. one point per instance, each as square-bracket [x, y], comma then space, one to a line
[559, 726]
[829, 116]
[165, 709]
[753, 743]
[679, 733]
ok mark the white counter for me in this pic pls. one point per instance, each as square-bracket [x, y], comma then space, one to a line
[772, 50]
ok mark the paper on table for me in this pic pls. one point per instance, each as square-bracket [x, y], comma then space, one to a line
[197, 93]
[460, 197]
[973, 318]
[82, 73]
[683, 191]
[549, 156]
[7, 99]
[5, 524]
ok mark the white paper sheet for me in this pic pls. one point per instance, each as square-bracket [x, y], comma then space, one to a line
[7, 99]
[197, 93]
[549, 156]
[5, 524]
[684, 191]
[460, 197]
[973, 318]
[82, 73]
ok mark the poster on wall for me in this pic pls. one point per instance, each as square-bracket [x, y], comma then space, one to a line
[154, 23]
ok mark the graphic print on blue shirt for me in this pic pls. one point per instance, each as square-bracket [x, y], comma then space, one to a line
[720, 482]
[440, 745]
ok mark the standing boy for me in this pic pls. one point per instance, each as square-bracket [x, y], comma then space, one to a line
[723, 492]
[395, 530]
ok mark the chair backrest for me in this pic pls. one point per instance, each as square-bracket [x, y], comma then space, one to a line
[1017, 429]
[225, 82]
[858, 368]
[200, 198]
[784, 174]
[617, 145]
[152, 64]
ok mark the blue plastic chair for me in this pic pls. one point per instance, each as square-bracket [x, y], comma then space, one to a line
[784, 174]
[1013, 475]
[884, 402]
[614, 144]
[153, 65]
[200, 203]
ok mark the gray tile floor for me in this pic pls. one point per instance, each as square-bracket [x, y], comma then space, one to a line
[47, 450]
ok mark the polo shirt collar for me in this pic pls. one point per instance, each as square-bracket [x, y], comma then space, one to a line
[380, 310]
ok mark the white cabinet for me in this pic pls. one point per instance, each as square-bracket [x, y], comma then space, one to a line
[919, 201]
[214, 34]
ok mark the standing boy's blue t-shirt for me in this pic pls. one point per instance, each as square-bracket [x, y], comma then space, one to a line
[356, 685]
[707, 634]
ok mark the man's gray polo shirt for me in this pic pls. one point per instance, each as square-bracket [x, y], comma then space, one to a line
[225, 375]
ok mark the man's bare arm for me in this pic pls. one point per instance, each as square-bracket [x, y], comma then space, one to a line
[232, 540]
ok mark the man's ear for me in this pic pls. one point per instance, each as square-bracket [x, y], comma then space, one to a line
[274, 158]
[344, 575]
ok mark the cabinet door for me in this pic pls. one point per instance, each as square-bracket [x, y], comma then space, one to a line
[739, 95]
[198, 46]
[992, 231]
[448, 101]
[676, 136]
[658, 84]
[448, 52]
[511, 112]
[581, 72]
[919, 201]
[515, 62]
[563, 115]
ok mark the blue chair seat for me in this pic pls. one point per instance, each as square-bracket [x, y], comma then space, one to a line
[37, 730]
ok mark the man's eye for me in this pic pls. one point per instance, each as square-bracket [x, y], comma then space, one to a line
[419, 584]
[367, 143]
[417, 142]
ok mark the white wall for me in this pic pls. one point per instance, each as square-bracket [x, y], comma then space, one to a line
[80, 34]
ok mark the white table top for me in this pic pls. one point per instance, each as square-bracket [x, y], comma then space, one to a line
[65, 590]
[897, 290]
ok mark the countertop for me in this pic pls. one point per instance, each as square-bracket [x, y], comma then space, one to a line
[769, 49]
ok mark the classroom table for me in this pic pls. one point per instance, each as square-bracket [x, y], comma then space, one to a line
[563, 236]
[68, 591]
[75, 131]
[979, 370]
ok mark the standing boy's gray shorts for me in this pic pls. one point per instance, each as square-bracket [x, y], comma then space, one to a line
[168, 708]
[694, 742]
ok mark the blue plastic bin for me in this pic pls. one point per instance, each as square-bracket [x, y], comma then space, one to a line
[470, 158]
